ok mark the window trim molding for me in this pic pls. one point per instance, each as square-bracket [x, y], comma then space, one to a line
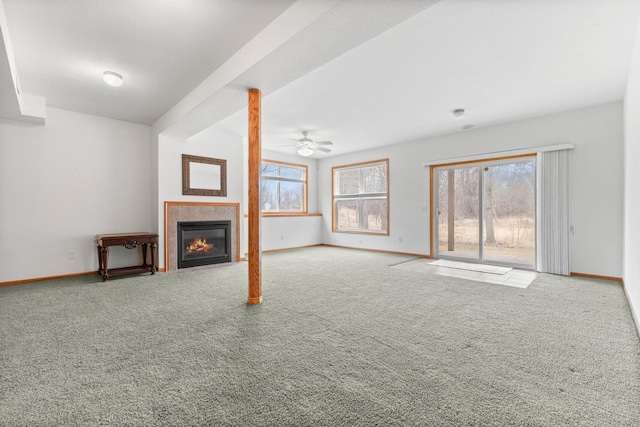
[305, 202]
[334, 224]
[506, 154]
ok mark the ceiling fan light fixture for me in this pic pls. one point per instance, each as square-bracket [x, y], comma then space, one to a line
[305, 151]
[112, 78]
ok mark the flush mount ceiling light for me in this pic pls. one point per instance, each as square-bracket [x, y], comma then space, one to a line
[112, 78]
[305, 151]
[458, 112]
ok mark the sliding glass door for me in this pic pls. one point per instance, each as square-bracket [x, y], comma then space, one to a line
[458, 212]
[485, 212]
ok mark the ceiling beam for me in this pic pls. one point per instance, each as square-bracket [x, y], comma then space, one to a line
[288, 24]
[13, 104]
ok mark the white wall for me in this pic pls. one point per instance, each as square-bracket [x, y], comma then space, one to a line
[631, 273]
[155, 183]
[65, 182]
[596, 178]
[208, 143]
[277, 233]
[408, 200]
[80, 175]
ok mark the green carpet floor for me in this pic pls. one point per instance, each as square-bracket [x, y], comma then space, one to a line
[341, 339]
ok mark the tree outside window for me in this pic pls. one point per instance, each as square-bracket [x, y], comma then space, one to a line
[284, 187]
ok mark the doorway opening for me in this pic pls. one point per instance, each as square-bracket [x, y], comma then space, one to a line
[485, 212]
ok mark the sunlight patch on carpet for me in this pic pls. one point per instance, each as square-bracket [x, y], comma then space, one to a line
[481, 268]
[514, 278]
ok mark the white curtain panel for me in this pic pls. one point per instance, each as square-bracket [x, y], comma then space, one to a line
[553, 168]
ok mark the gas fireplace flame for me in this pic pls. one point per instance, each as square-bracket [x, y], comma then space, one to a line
[199, 246]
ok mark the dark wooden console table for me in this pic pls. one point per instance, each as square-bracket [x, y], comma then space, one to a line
[129, 241]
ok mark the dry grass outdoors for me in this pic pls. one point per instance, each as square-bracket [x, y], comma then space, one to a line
[348, 220]
[515, 236]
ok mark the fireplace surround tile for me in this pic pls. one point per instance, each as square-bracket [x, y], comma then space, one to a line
[198, 211]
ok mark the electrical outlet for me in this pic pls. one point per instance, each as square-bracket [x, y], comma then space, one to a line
[400, 239]
[282, 237]
[71, 255]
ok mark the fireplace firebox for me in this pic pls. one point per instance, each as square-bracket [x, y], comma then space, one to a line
[203, 243]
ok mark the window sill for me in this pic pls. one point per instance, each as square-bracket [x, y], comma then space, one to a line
[370, 233]
[281, 215]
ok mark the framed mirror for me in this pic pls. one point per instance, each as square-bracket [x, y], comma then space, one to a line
[204, 176]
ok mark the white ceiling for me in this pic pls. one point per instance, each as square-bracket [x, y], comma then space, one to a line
[362, 73]
[163, 48]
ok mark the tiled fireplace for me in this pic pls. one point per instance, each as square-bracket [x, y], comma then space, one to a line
[200, 213]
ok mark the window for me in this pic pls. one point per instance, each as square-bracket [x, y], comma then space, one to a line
[360, 198]
[284, 187]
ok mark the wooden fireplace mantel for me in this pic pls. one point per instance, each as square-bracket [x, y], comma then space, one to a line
[129, 241]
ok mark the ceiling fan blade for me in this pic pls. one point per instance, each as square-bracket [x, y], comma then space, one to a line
[326, 150]
[323, 142]
[285, 145]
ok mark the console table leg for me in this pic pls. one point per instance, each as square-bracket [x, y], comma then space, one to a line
[153, 258]
[144, 254]
[105, 263]
[99, 259]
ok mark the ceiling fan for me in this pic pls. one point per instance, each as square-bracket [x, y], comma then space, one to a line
[305, 146]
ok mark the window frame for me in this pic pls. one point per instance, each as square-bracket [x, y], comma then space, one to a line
[360, 197]
[279, 179]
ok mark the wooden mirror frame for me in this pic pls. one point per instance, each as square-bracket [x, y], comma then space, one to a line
[187, 160]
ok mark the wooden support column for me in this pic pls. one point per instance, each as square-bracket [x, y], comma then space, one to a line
[255, 212]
